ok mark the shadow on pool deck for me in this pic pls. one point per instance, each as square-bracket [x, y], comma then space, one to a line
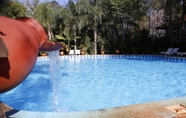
[147, 110]
[9, 113]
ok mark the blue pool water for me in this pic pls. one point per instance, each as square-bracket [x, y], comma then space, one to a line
[97, 83]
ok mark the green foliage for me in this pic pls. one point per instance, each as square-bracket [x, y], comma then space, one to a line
[59, 37]
[101, 43]
[45, 12]
[98, 24]
[83, 47]
[12, 9]
[86, 42]
[32, 8]
[141, 41]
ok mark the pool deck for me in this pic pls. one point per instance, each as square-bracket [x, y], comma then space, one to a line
[155, 109]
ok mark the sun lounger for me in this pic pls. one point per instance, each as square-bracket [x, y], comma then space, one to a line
[71, 52]
[181, 53]
[167, 52]
[78, 52]
[174, 51]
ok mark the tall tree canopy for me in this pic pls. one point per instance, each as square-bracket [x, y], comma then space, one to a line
[116, 22]
[12, 9]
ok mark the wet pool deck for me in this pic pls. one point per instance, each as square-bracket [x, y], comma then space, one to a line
[147, 110]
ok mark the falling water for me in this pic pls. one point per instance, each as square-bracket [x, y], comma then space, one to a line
[55, 76]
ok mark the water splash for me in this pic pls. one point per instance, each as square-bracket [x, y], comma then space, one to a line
[56, 80]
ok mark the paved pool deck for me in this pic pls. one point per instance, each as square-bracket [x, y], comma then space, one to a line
[155, 109]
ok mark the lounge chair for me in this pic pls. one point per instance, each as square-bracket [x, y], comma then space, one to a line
[167, 52]
[78, 52]
[181, 53]
[174, 51]
[71, 52]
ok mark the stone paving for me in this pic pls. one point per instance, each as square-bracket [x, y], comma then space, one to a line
[157, 109]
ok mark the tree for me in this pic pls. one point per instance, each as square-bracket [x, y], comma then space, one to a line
[12, 9]
[155, 15]
[93, 12]
[172, 12]
[46, 17]
[72, 21]
[75, 20]
[183, 17]
[120, 19]
[45, 13]
[32, 8]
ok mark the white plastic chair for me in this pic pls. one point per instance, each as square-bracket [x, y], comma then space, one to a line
[78, 52]
[71, 52]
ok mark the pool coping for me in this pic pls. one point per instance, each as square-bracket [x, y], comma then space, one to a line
[127, 56]
[155, 109]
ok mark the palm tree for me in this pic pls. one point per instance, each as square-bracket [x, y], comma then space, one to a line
[75, 19]
[44, 12]
[47, 17]
[95, 18]
[72, 21]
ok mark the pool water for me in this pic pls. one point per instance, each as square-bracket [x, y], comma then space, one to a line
[97, 83]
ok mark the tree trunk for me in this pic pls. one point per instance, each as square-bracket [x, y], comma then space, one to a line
[95, 41]
[50, 34]
[68, 44]
[123, 35]
[123, 40]
[170, 26]
[75, 42]
[149, 22]
[157, 23]
[183, 17]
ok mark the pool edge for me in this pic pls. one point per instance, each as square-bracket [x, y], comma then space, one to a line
[127, 56]
[156, 109]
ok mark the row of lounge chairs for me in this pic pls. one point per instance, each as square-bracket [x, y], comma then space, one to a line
[173, 51]
[170, 51]
[72, 52]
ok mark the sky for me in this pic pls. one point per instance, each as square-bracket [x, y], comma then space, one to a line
[61, 2]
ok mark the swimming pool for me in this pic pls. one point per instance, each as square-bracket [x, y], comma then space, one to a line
[97, 82]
